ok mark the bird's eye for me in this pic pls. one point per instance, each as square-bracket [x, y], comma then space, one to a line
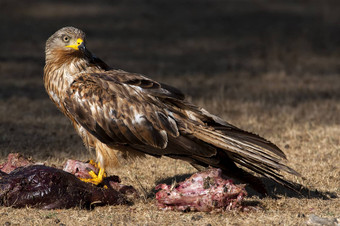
[66, 38]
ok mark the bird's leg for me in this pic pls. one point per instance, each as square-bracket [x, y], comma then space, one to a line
[96, 178]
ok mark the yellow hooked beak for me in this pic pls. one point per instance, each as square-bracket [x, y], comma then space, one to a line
[75, 46]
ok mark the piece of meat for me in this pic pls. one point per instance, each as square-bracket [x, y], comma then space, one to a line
[79, 169]
[204, 191]
[50, 188]
[15, 160]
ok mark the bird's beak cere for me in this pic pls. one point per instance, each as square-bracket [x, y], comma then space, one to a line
[79, 44]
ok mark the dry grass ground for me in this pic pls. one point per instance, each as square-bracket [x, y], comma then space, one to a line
[272, 68]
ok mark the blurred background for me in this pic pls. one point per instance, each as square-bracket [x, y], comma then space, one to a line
[260, 64]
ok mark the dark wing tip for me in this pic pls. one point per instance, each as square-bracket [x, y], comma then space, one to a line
[174, 91]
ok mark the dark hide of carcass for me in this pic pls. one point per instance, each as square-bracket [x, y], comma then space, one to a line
[81, 170]
[51, 188]
[204, 191]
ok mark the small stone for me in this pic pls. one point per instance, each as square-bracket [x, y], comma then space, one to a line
[316, 220]
[196, 218]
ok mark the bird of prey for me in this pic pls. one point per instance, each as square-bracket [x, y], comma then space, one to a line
[122, 115]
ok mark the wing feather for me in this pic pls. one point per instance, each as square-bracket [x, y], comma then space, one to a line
[117, 112]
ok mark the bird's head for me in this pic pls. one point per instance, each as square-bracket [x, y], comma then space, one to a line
[68, 41]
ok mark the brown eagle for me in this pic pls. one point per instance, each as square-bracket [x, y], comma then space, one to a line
[121, 115]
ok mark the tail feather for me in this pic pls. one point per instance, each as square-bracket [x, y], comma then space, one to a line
[269, 173]
[247, 150]
[229, 130]
[253, 139]
[240, 147]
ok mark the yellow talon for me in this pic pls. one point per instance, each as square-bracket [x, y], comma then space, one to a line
[93, 163]
[96, 179]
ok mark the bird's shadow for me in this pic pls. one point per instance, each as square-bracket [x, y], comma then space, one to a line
[274, 190]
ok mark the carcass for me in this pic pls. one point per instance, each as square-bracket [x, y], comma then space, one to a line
[51, 188]
[204, 191]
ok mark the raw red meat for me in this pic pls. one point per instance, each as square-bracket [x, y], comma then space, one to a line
[14, 160]
[204, 191]
[79, 169]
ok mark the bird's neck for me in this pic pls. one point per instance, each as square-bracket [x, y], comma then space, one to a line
[63, 67]
[60, 70]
